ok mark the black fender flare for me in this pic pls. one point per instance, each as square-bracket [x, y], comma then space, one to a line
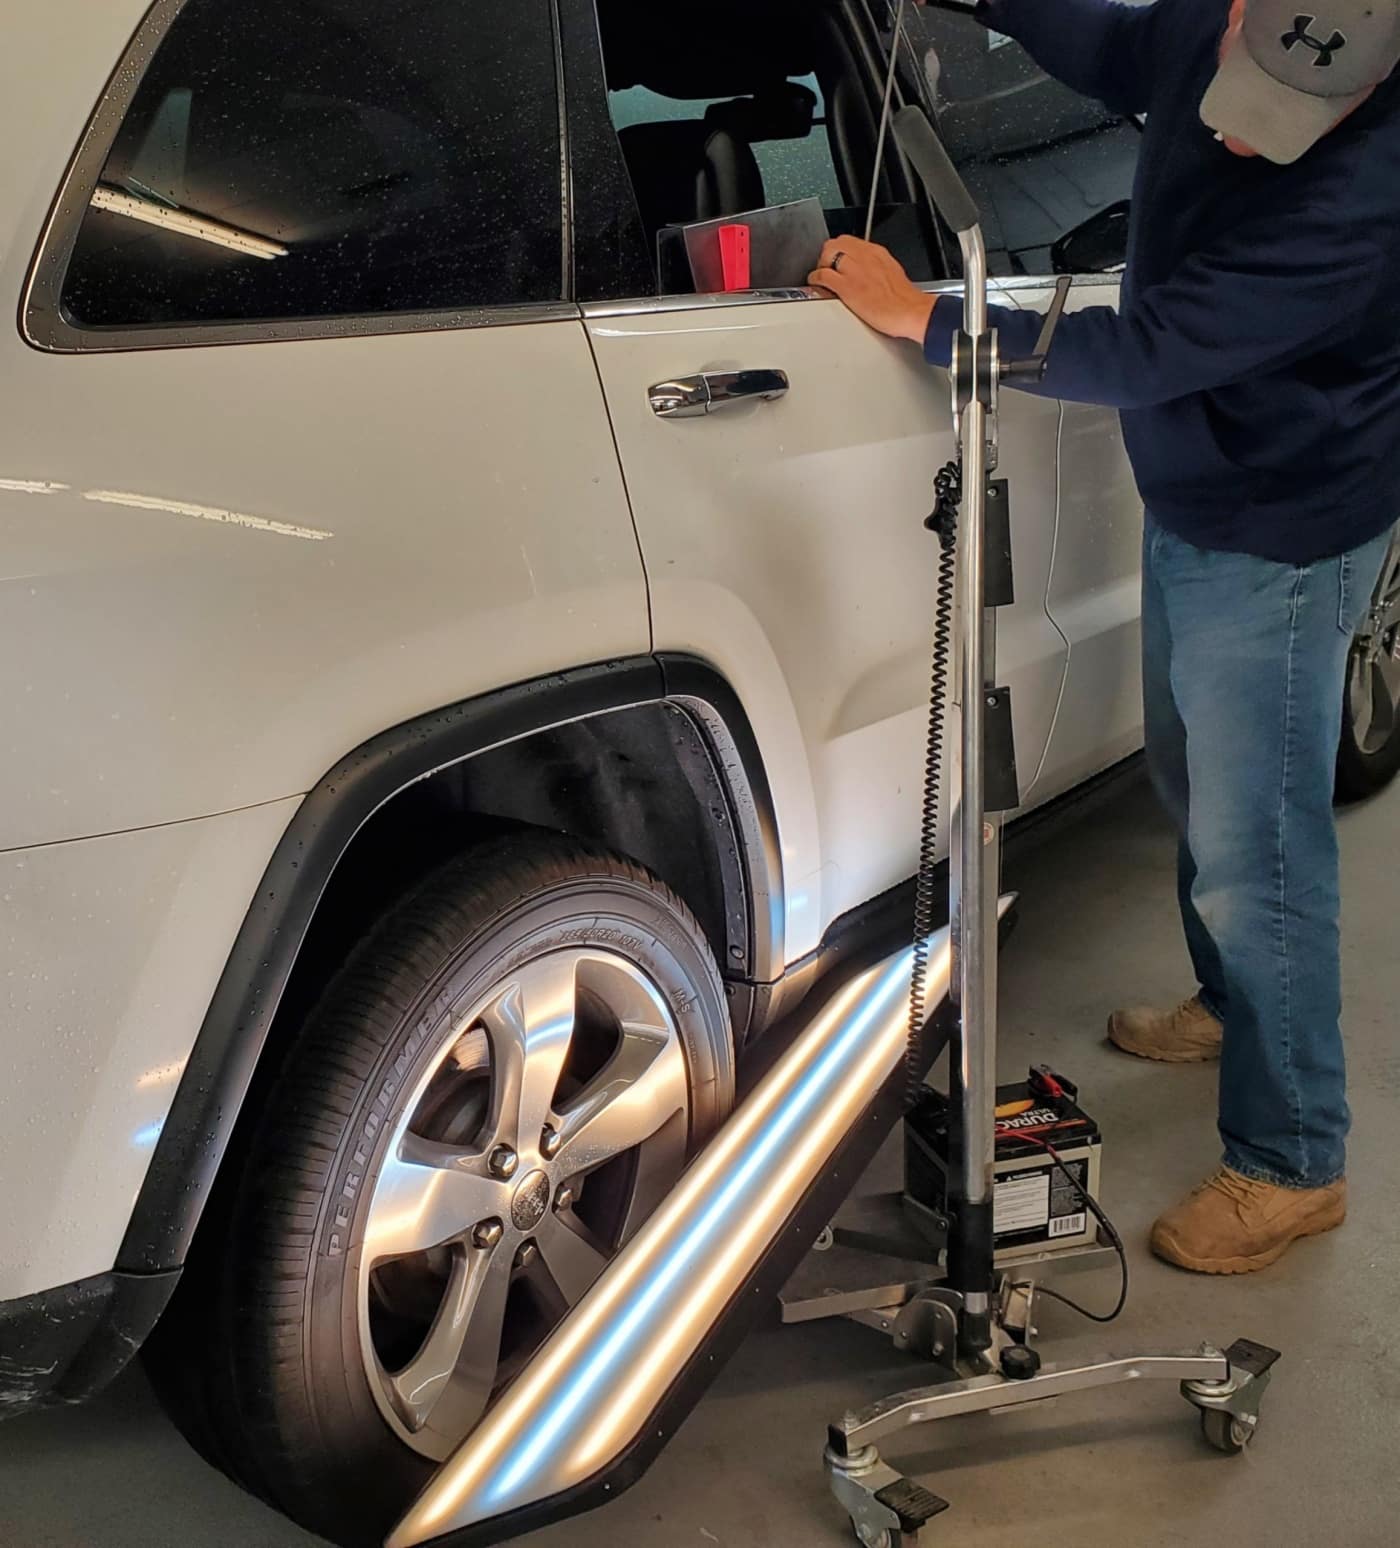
[210, 1095]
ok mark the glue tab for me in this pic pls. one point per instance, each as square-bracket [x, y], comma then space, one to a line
[734, 249]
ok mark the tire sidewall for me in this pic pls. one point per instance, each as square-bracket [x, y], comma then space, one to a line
[1361, 774]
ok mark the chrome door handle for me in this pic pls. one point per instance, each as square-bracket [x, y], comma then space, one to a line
[689, 397]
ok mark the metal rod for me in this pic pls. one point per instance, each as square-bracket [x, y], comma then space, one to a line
[973, 947]
[974, 253]
[975, 943]
[884, 120]
[982, 1394]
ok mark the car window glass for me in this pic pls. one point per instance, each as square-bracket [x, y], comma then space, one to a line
[320, 158]
[751, 106]
[1040, 159]
[795, 168]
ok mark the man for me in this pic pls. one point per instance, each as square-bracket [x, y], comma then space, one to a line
[1256, 359]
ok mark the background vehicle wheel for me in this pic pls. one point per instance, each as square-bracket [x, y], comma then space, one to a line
[499, 1087]
[1369, 757]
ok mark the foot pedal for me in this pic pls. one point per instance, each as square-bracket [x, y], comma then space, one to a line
[1253, 1359]
[912, 1503]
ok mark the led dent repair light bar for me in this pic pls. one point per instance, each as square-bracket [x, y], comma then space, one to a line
[592, 1392]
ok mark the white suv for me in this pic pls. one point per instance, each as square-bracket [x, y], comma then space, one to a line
[430, 765]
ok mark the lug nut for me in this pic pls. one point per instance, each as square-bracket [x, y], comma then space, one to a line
[526, 1256]
[503, 1161]
[564, 1199]
[488, 1233]
[550, 1143]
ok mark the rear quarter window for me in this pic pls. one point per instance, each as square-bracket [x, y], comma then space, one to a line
[329, 158]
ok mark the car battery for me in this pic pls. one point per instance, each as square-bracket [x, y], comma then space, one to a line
[1037, 1210]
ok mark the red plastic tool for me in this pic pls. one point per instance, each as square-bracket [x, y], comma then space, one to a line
[734, 250]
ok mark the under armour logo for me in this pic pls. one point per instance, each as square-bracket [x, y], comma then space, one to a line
[1324, 51]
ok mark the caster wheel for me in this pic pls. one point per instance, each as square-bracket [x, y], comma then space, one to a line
[869, 1539]
[1225, 1432]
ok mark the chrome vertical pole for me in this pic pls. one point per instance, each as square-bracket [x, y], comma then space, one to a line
[973, 876]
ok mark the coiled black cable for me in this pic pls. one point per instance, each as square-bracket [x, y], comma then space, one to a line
[943, 522]
[1109, 1230]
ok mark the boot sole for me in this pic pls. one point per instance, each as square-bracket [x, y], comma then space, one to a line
[1159, 1055]
[1167, 1248]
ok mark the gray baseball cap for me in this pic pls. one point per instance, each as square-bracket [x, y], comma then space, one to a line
[1298, 69]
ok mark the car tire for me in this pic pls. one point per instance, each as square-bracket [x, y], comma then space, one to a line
[1368, 758]
[444, 1133]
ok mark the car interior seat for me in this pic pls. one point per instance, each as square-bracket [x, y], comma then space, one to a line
[729, 180]
[690, 169]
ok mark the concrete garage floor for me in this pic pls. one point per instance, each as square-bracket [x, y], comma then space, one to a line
[1126, 1469]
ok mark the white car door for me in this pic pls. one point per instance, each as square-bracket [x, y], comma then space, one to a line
[359, 472]
[785, 544]
[784, 540]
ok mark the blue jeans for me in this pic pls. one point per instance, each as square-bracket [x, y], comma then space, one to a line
[1244, 670]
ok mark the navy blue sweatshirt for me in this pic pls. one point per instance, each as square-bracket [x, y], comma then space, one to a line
[1256, 353]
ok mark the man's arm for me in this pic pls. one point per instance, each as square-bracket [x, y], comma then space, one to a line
[1100, 48]
[1251, 303]
[1269, 292]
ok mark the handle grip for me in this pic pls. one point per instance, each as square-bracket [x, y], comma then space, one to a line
[945, 186]
[692, 397]
[1033, 367]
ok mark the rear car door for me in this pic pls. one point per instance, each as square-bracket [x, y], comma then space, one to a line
[302, 443]
[1052, 172]
[784, 540]
[308, 398]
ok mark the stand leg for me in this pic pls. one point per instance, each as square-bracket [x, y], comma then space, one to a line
[1226, 1388]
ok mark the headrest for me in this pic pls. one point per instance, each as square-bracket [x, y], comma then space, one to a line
[730, 181]
[785, 111]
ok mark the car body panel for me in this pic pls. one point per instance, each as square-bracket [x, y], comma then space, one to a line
[1095, 595]
[250, 559]
[112, 949]
[346, 534]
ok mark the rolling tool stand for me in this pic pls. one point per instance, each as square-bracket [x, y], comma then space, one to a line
[978, 1323]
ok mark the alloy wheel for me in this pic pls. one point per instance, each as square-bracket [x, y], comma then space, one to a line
[539, 1137]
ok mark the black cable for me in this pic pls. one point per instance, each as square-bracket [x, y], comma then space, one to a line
[1109, 1229]
[943, 521]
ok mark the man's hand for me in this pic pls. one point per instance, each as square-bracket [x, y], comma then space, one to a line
[873, 284]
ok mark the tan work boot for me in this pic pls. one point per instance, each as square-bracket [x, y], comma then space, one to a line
[1234, 1225]
[1187, 1035]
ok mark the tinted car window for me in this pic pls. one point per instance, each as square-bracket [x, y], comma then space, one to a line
[792, 168]
[1039, 158]
[744, 106]
[317, 158]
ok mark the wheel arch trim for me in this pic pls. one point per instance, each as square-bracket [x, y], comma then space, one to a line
[236, 1026]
